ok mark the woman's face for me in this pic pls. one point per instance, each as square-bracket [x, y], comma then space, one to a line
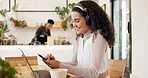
[79, 23]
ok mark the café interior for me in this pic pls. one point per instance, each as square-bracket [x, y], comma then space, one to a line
[128, 18]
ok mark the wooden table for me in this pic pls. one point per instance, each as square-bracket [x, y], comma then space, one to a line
[25, 72]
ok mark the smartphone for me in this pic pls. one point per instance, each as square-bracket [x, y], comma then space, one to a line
[42, 57]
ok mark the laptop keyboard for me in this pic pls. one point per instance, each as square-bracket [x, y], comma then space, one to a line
[42, 73]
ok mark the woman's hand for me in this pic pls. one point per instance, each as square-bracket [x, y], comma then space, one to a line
[51, 61]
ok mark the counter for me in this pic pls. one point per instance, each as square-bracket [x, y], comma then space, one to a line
[61, 52]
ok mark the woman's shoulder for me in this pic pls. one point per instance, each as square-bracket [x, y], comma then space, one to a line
[97, 36]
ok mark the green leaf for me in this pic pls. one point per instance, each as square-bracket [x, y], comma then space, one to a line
[64, 27]
[12, 19]
[6, 71]
[3, 12]
[14, 8]
[69, 18]
[71, 5]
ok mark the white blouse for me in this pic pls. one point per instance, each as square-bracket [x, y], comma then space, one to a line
[90, 58]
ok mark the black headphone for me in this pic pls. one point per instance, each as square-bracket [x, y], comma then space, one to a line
[87, 18]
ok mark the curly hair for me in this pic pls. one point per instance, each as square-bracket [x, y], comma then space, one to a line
[98, 19]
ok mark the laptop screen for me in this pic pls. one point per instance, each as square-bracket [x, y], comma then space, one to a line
[28, 65]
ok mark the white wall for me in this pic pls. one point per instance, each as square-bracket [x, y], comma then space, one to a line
[62, 53]
[139, 38]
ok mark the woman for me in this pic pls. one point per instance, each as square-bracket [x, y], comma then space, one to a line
[95, 34]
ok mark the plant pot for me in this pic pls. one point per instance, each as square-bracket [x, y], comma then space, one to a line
[15, 23]
[62, 23]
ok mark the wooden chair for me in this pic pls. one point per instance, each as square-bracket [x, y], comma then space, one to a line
[15, 61]
[116, 68]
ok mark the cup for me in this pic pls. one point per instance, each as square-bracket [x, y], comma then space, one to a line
[58, 73]
[50, 40]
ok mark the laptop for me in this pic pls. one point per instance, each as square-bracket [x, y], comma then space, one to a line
[35, 73]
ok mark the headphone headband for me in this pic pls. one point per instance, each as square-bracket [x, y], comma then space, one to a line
[80, 7]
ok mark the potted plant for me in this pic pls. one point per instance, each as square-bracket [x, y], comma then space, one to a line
[14, 21]
[17, 23]
[3, 25]
[6, 71]
[3, 29]
[64, 14]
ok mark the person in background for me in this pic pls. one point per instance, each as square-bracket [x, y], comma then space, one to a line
[42, 32]
[95, 37]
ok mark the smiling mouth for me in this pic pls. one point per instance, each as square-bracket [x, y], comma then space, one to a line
[77, 29]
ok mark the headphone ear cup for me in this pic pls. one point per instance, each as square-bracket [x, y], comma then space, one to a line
[88, 22]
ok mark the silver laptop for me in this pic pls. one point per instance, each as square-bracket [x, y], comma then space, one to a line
[36, 73]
